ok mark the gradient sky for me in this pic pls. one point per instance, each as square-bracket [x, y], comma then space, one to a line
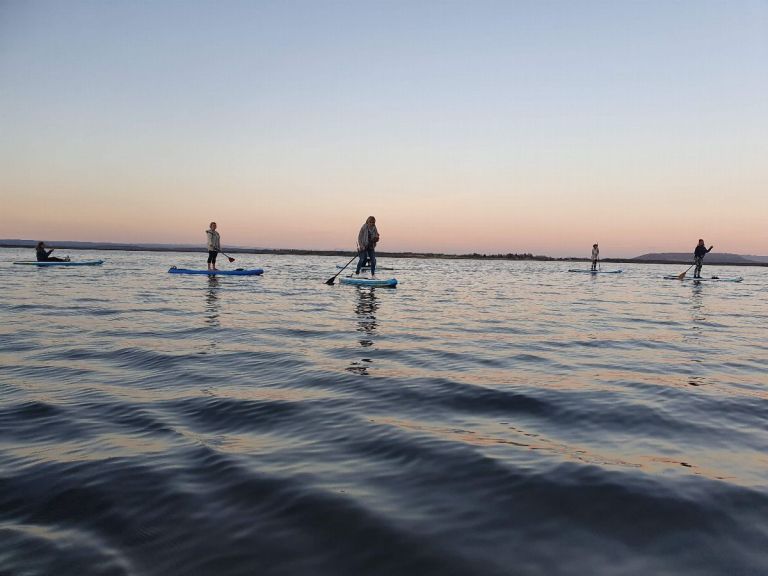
[513, 126]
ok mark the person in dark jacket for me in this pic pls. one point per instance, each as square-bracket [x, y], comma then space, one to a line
[698, 257]
[44, 255]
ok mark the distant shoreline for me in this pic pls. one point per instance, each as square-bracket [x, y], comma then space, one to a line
[65, 245]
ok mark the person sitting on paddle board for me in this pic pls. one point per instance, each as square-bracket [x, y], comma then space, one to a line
[595, 256]
[698, 257]
[44, 255]
[214, 246]
[366, 245]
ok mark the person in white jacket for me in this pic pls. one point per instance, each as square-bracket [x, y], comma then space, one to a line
[595, 256]
[214, 246]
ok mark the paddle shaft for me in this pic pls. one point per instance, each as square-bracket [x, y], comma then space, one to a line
[331, 280]
[682, 276]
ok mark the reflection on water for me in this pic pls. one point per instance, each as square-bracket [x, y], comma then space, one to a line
[365, 307]
[212, 304]
[698, 315]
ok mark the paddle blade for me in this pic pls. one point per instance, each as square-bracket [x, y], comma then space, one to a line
[330, 281]
[682, 276]
[231, 259]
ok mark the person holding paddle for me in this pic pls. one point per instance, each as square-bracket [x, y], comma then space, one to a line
[214, 246]
[44, 255]
[595, 256]
[367, 239]
[698, 257]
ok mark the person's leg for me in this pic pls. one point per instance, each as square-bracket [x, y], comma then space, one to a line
[697, 270]
[55, 259]
[210, 259]
[372, 259]
[594, 265]
[215, 253]
[362, 255]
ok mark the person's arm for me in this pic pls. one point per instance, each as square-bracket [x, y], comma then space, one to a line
[710, 248]
[361, 239]
[48, 253]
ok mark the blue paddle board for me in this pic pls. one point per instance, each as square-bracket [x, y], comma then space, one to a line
[341, 267]
[389, 282]
[712, 279]
[237, 272]
[49, 263]
[595, 271]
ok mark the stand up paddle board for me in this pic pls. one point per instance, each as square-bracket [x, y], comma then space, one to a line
[712, 279]
[595, 271]
[366, 268]
[389, 282]
[236, 272]
[54, 263]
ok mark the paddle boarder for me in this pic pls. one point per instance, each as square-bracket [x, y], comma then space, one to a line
[595, 256]
[214, 246]
[44, 255]
[367, 239]
[698, 257]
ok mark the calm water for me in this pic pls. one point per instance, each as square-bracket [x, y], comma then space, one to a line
[482, 418]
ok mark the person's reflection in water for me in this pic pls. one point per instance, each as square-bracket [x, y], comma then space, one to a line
[366, 307]
[696, 334]
[698, 317]
[212, 303]
[698, 310]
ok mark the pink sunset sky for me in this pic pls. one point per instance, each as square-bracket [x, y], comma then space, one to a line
[490, 127]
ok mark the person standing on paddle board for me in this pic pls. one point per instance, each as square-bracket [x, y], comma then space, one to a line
[44, 255]
[367, 239]
[595, 256]
[698, 257]
[214, 246]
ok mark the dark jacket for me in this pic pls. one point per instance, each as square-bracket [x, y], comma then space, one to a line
[42, 254]
[700, 251]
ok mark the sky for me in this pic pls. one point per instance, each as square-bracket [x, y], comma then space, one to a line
[536, 126]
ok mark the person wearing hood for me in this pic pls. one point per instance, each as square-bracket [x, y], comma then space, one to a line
[367, 239]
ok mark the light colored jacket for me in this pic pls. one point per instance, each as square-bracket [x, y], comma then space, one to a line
[214, 241]
[595, 253]
[367, 237]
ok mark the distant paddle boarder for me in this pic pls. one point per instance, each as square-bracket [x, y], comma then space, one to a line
[44, 255]
[367, 239]
[698, 257]
[595, 256]
[214, 246]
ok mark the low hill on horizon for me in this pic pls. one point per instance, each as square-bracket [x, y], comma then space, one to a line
[711, 258]
[653, 257]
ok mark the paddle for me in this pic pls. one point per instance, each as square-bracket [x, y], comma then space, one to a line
[331, 280]
[682, 276]
[229, 257]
